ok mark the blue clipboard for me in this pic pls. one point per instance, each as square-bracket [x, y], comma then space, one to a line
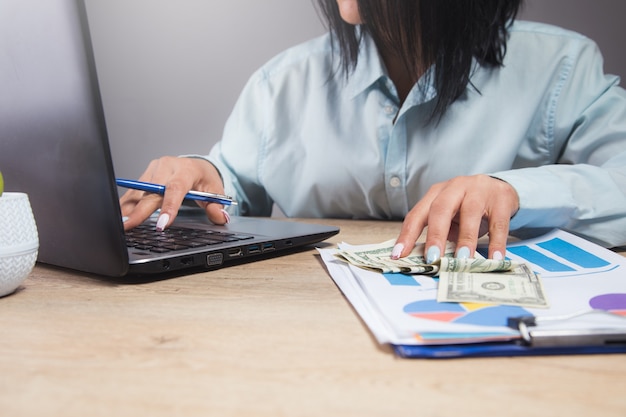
[535, 341]
[499, 349]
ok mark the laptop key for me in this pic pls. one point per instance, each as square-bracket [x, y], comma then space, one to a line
[144, 237]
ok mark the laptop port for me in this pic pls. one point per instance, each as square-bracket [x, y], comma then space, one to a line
[254, 249]
[268, 247]
[214, 259]
[235, 253]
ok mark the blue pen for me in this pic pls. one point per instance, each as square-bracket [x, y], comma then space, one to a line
[160, 189]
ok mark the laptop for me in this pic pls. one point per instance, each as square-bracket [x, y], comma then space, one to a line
[54, 146]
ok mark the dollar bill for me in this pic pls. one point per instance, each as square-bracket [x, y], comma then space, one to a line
[519, 286]
[477, 265]
[378, 258]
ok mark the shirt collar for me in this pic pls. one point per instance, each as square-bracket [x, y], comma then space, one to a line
[369, 69]
[370, 72]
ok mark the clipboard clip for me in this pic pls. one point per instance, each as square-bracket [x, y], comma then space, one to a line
[534, 335]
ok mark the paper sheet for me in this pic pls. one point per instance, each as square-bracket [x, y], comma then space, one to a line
[403, 310]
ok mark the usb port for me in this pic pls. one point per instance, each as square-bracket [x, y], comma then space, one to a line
[267, 247]
[253, 249]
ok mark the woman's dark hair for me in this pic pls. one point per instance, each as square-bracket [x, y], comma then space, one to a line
[445, 33]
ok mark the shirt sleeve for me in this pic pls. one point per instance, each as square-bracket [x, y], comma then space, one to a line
[238, 156]
[585, 190]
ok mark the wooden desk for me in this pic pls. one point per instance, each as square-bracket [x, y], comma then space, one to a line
[275, 338]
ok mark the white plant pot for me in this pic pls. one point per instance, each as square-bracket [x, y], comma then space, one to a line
[19, 241]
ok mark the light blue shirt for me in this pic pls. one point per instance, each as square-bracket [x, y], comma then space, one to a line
[319, 145]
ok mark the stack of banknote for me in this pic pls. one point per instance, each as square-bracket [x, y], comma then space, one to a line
[476, 280]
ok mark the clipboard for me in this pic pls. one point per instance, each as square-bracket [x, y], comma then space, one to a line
[586, 286]
[535, 341]
[483, 350]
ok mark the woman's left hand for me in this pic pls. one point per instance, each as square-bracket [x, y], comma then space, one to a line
[461, 210]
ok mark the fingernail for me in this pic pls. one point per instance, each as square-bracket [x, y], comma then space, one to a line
[397, 251]
[226, 216]
[162, 221]
[463, 253]
[432, 254]
[497, 256]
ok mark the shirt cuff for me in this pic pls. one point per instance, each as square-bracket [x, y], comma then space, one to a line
[544, 201]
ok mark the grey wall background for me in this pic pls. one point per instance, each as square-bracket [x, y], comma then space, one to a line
[171, 70]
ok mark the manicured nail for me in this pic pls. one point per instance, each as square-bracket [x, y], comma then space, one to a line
[397, 251]
[162, 222]
[226, 216]
[497, 256]
[463, 253]
[432, 254]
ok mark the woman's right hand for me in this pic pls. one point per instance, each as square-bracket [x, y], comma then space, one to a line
[179, 175]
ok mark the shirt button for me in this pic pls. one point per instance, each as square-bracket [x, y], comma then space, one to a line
[395, 182]
[389, 110]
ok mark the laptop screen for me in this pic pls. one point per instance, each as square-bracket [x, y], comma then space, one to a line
[53, 141]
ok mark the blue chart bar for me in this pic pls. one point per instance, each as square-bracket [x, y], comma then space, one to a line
[539, 259]
[401, 280]
[573, 254]
[563, 250]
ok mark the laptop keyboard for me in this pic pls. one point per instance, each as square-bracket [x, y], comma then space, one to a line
[145, 237]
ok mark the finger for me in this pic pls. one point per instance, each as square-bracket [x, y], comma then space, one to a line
[411, 230]
[217, 214]
[500, 218]
[129, 200]
[413, 225]
[498, 235]
[469, 221]
[143, 209]
[443, 210]
[136, 206]
[175, 192]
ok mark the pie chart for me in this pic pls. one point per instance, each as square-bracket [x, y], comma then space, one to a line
[464, 313]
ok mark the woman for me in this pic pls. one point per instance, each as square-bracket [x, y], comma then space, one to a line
[443, 113]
